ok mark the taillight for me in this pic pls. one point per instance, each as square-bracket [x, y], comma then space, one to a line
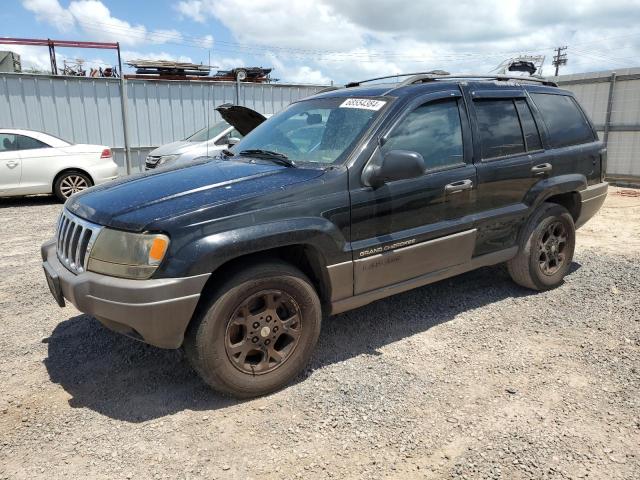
[603, 164]
[106, 153]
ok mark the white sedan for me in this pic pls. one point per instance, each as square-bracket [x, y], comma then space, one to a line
[34, 162]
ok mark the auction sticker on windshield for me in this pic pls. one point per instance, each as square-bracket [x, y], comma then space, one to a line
[364, 103]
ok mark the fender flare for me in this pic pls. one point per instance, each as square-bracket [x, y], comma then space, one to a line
[552, 186]
[208, 253]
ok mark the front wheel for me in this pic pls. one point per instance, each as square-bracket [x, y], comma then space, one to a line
[257, 332]
[546, 249]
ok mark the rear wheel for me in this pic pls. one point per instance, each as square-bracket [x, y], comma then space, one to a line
[546, 249]
[257, 332]
[69, 183]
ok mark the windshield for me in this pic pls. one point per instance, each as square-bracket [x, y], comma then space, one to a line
[208, 133]
[317, 131]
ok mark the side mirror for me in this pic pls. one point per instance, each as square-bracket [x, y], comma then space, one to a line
[394, 165]
[233, 141]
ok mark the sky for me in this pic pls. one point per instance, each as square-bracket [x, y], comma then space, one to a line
[320, 41]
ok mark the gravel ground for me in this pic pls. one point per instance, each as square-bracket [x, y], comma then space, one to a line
[472, 377]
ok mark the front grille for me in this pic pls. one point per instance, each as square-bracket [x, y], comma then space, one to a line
[75, 238]
[151, 162]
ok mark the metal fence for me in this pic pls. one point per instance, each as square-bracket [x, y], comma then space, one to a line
[89, 110]
[612, 100]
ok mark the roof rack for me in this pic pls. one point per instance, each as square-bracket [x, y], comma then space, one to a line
[428, 78]
[442, 75]
[431, 72]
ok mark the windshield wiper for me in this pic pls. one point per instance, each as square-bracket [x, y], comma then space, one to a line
[275, 157]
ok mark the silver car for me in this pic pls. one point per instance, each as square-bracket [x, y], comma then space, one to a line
[208, 142]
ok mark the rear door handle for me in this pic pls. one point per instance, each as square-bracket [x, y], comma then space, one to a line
[12, 164]
[460, 186]
[542, 168]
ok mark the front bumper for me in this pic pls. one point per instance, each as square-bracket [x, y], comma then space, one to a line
[591, 199]
[156, 311]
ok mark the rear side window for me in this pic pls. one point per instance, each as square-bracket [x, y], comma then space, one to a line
[565, 122]
[529, 127]
[29, 143]
[499, 128]
[434, 131]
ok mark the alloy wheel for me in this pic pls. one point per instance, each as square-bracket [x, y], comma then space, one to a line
[263, 332]
[73, 184]
[551, 248]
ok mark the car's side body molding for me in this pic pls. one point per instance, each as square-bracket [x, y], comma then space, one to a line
[343, 305]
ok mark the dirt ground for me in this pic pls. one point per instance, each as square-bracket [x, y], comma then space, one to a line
[472, 377]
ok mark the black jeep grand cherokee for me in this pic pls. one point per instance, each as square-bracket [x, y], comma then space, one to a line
[342, 199]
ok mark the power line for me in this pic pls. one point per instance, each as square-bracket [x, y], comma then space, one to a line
[328, 56]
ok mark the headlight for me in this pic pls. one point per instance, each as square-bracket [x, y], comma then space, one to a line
[127, 254]
[167, 159]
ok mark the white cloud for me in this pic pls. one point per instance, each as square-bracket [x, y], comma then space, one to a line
[33, 57]
[345, 40]
[205, 41]
[95, 19]
[300, 25]
[50, 11]
[296, 74]
[192, 9]
[376, 37]
[163, 36]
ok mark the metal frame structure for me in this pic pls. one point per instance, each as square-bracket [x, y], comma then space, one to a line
[51, 44]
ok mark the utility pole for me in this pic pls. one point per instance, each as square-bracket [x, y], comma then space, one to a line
[559, 58]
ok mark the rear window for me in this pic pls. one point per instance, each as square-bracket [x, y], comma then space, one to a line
[499, 128]
[565, 122]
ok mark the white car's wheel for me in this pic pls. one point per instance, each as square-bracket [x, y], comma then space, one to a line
[69, 183]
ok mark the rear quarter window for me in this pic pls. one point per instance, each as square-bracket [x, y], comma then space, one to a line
[565, 122]
[29, 143]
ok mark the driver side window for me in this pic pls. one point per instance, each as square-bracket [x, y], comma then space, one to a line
[434, 131]
[8, 142]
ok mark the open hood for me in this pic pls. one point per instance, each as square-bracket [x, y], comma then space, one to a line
[242, 119]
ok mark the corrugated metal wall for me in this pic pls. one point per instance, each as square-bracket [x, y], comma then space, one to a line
[621, 118]
[88, 110]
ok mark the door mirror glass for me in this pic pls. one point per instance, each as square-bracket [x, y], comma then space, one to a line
[394, 165]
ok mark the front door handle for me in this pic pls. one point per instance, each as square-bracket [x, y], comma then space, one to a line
[542, 168]
[460, 186]
[12, 164]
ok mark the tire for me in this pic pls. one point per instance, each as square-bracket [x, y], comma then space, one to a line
[546, 249]
[70, 182]
[235, 349]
